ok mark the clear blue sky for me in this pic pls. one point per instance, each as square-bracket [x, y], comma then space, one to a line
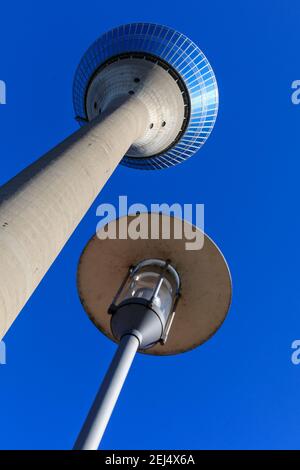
[240, 389]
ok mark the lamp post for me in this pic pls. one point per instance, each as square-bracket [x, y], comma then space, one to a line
[142, 312]
[171, 301]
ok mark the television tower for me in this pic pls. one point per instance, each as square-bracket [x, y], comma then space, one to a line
[144, 95]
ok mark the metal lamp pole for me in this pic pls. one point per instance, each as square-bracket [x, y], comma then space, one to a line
[95, 424]
[139, 320]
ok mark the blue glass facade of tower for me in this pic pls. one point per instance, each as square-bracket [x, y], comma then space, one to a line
[184, 57]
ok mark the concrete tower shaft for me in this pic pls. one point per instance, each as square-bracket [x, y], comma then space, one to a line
[41, 207]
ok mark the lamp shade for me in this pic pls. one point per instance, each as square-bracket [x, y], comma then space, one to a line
[204, 275]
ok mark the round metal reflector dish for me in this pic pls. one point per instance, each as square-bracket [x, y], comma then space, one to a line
[205, 277]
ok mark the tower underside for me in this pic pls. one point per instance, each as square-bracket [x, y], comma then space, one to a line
[139, 43]
[156, 85]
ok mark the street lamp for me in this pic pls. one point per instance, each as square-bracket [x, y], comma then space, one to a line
[142, 312]
[156, 277]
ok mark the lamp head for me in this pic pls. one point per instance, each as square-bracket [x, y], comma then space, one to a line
[194, 285]
[145, 302]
